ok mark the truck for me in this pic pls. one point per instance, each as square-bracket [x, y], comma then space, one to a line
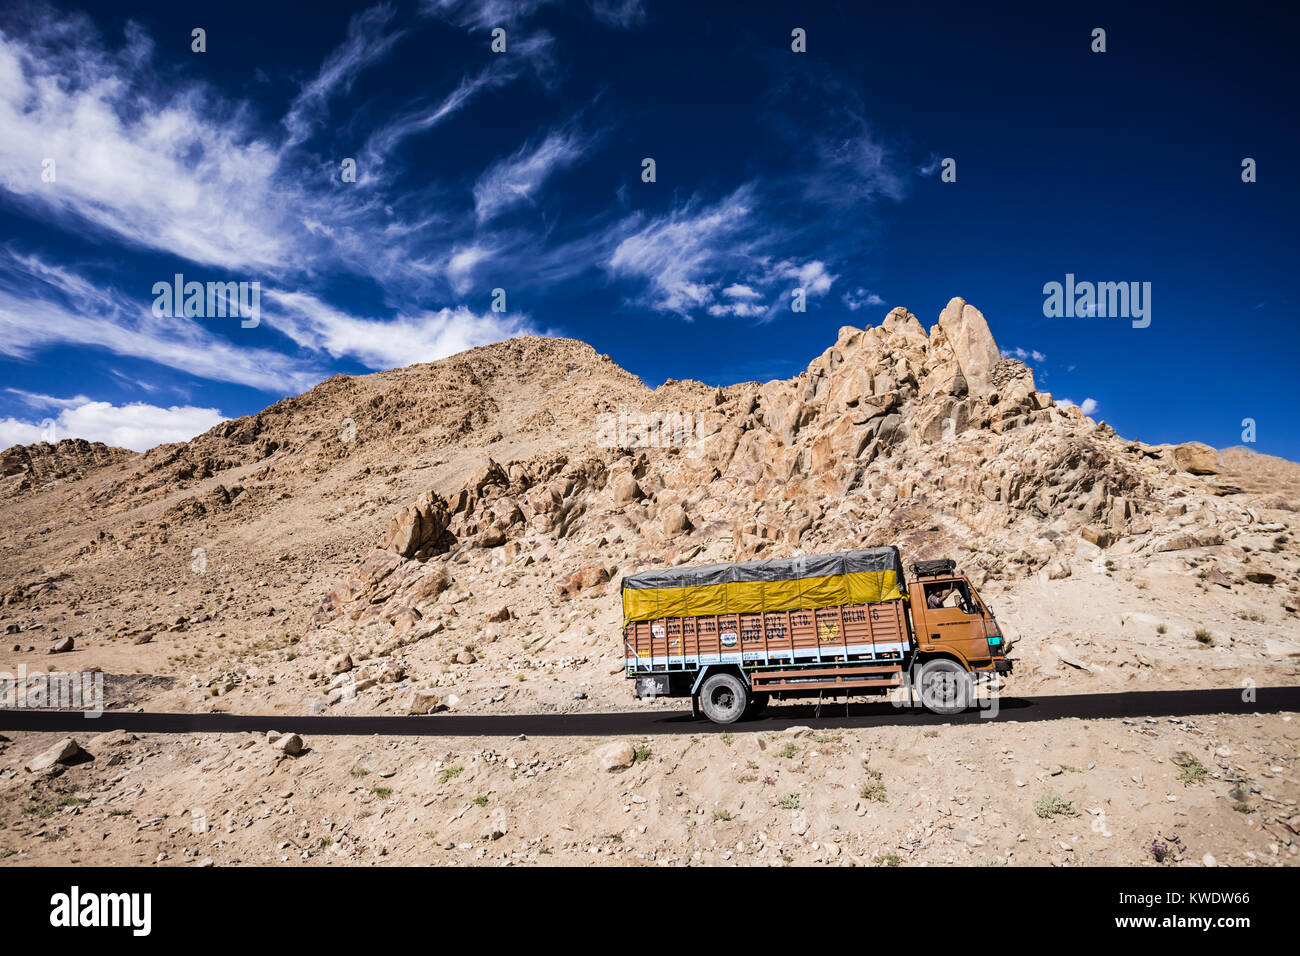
[736, 635]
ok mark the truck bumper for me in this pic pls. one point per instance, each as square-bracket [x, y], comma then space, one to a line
[1003, 665]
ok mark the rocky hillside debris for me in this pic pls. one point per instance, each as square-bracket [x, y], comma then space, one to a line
[586, 577]
[27, 467]
[930, 440]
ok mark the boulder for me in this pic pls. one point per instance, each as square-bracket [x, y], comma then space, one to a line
[423, 702]
[624, 489]
[1196, 458]
[63, 752]
[972, 343]
[288, 744]
[418, 526]
[616, 756]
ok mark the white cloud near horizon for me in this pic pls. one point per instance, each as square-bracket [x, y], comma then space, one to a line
[137, 426]
[1087, 406]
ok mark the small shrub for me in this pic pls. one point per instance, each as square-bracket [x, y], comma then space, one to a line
[641, 754]
[887, 859]
[721, 816]
[789, 750]
[451, 773]
[874, 788]
[1204, 637]
[480, 801]
[789, 802]
[383, 793]
[1053, 804]
[1192, 771]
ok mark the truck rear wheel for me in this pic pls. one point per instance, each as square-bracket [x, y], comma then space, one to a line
[946, 687]
[723, 698]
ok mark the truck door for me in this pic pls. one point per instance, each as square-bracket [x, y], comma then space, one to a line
[956, 622]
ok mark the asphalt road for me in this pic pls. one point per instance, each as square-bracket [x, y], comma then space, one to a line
[1133, 705]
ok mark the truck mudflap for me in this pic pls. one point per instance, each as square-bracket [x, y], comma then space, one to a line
[1002, 665]
[656, 685]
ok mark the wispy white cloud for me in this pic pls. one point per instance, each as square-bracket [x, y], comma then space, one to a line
[620, 14]
[388, 343]
[860, 298]
[684, 255]
[678, 253]
[42, 306]
[519, 177]
[483, 14]
[1025, 355]
[177, 170]
[37, 400]
[366, 44]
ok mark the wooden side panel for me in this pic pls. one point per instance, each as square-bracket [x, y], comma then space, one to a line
[827, 634]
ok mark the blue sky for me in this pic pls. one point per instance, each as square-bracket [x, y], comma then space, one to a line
[522, 171]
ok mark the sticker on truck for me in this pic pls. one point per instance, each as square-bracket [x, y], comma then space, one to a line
[728, 638]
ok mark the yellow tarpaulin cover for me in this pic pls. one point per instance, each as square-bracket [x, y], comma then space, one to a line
[848, 577]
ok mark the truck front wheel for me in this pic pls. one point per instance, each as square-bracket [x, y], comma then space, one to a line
[723, 698]
[946, 687]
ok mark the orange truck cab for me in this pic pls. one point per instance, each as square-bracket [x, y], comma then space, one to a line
[950, 618]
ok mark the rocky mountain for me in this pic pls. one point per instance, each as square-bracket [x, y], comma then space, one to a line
[931, 440]
[479, 511]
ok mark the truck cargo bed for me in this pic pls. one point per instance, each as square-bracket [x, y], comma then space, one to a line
[792, 640]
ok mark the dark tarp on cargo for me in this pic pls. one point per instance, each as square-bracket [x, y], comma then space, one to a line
[783, 584]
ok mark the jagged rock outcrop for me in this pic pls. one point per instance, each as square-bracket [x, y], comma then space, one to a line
[933, 441]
